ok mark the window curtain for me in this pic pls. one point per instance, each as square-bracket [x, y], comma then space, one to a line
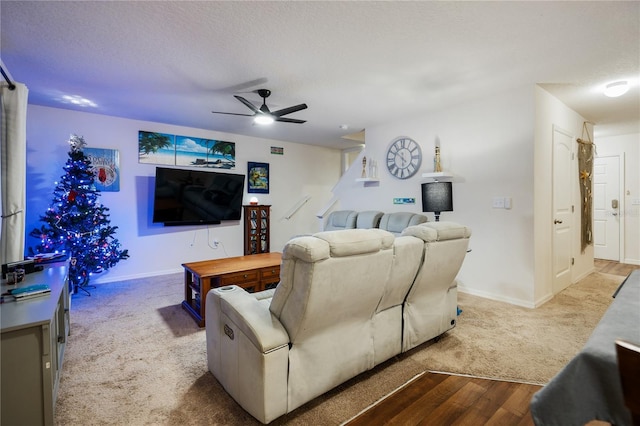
[13, 164]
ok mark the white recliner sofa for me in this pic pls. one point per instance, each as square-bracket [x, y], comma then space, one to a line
[338, 311]
[393, 222]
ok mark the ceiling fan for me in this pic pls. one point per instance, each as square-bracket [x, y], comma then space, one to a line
[263, 115]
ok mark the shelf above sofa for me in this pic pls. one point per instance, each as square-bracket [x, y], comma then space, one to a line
[368, 182]
[438, 175]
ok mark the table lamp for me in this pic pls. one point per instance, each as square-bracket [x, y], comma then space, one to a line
[437, 197]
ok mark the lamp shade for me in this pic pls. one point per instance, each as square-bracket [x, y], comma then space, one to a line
[437, 197]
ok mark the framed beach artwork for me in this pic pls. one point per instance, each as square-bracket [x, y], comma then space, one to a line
[105, 165]
[161, 148]
[205, 153]
[156, 148]
[257, 178]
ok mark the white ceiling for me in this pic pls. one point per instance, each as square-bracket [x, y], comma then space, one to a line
[356, 63]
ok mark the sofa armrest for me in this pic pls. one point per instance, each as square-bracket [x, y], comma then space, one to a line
[253, 318]
[438, 231]
[247, 351]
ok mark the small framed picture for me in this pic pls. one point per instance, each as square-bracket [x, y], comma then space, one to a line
[257, 178]
[105, 166]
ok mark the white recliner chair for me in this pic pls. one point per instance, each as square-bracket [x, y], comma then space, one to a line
[431, 305]
[387, 321]
[315, 333]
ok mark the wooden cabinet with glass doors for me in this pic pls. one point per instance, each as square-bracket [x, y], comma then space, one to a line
[256, 229]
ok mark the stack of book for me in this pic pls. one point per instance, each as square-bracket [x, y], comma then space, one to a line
[29, 292]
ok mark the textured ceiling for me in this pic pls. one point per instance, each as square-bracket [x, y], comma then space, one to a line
[354, 63]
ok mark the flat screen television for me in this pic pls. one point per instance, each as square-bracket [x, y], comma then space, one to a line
[195, 197]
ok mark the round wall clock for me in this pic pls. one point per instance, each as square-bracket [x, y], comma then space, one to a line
[404, 157]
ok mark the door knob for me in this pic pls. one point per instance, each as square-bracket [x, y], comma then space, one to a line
[556, 221]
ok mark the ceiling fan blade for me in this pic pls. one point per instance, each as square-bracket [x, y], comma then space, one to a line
[232, 113]
[249, 105]
[289, 110]
[265, 109]
[243, 87]
[290, 120]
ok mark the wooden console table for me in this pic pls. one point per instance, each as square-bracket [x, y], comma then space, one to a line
[255, 272]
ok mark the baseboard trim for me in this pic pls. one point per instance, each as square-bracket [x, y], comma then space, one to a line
[100, 279]
[584, 275]
[492, 296]
[543, 300]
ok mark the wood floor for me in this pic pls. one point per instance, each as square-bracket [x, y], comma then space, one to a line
[614, 268]
[436, 399]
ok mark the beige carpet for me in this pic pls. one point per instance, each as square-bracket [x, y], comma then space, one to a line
[135, 357]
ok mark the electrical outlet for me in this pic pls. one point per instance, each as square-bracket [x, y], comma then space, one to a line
[215, 243]
[498, 203]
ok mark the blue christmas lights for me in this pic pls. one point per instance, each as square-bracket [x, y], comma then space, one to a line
[76, 224]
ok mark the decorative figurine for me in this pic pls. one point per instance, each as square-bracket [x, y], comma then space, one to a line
[373, 169]
[436, 166]
[364, 167]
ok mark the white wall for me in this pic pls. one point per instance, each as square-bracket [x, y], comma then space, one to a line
[496, 147]
[627, 147]
[488, 145]
[551, 112]
[302, 171]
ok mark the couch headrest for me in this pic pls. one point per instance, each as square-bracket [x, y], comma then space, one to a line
[396, 222]
[339, 243]
[306, 248]
[369, 219]
[438, 231]
[341, 219]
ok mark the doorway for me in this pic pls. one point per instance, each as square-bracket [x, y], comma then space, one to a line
[606, 207]
[563, 169]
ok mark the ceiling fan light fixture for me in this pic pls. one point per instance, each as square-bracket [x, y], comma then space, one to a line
[263, 119]
[617, 88]
[263, 115]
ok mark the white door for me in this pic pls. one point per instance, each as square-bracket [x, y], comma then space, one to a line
[562, 197]
[606, 208]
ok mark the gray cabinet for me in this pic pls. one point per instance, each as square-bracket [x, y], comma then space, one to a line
[34, 334]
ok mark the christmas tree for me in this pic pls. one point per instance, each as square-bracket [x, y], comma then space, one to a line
[77, 224]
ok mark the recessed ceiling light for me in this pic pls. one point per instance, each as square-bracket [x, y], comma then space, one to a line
[78, 100]
[615, 89]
